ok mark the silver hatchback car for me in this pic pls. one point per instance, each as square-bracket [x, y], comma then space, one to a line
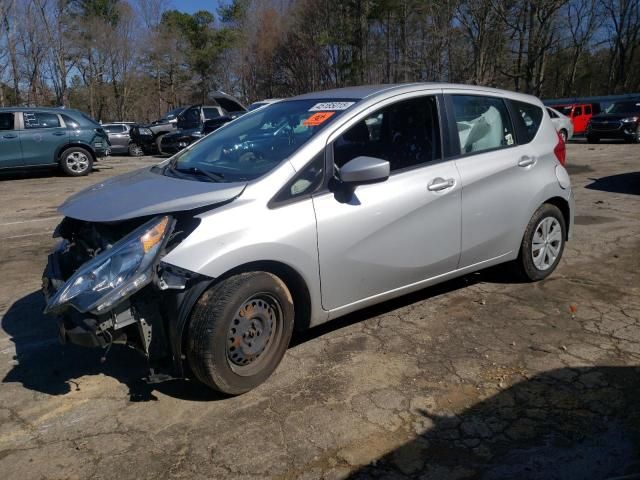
[301, 212]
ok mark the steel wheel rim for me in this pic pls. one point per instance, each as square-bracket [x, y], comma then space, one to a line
[77, 162]
[253, 333]
[546, 244]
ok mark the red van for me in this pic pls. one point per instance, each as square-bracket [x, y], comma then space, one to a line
[579, 113]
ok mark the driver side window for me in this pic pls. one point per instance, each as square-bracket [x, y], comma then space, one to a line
[406, 134]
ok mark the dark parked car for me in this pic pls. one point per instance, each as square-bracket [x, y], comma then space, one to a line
[187, 118]
[120, 138]
[621, 120]
[211, 118]
[47, 137]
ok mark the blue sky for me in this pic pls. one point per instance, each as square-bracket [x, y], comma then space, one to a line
[191, 6]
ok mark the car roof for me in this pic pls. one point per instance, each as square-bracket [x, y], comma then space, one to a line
[44, 109]
[369, 91]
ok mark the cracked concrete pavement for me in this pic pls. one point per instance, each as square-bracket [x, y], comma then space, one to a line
[481, 377]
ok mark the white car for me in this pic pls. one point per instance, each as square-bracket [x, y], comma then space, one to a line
[562, 123]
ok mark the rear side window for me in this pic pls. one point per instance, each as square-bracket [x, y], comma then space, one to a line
[587, 109]
[483, 123]
[69, 122]
[114, 128]
[40, 120]
[210, 113]
[530, 117]
[6, 121]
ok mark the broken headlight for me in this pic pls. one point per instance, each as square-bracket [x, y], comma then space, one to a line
[116, 273]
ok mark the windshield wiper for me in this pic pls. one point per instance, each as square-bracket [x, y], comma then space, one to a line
[215, 177]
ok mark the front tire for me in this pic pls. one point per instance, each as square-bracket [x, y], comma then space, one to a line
[542, 244]
[76, 161]
[239, 331]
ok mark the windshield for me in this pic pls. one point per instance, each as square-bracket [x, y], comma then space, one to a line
[624, 107]
[170, 115]
[254, 144]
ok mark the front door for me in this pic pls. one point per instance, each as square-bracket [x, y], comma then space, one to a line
[42, 136]
[10, 150]
[385, 236]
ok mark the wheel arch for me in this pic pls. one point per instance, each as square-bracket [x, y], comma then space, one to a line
[563, 206]
[292, 279]
[72, 143]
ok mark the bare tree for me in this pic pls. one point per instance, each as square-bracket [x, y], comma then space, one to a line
[623, 27]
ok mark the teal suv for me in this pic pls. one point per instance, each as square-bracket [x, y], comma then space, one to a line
[49, 137]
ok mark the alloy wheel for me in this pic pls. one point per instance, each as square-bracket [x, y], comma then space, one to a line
[547, 243]
[77, 162]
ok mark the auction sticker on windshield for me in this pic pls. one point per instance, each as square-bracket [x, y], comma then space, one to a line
[317, 119]
[331, 106]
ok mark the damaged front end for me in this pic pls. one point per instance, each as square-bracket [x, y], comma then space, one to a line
[106, 284]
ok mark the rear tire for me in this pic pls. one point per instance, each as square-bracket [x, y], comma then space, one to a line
[239, 331]
[76, 161]
[542, 244]
[135, 150]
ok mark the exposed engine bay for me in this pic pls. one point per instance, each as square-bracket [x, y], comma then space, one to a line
[107, 285]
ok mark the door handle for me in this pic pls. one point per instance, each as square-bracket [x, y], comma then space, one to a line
[438, 184]
[526, 161]
[59, 134]
[10, 135]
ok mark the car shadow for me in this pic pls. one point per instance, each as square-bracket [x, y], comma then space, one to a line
[628, 183]
[42, 364]
[570, 423]
[22, 174]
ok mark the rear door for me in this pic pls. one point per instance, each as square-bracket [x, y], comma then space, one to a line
[385, 236]
[118, 136]
[42, 137]
[496, 172]
[10, 150]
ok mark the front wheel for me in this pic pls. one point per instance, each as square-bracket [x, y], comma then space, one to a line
[76, 161]
[239, 331]
[543, 243]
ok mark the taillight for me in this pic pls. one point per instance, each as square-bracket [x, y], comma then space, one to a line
[560, 150]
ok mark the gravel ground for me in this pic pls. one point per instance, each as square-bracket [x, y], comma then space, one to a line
[481, 377]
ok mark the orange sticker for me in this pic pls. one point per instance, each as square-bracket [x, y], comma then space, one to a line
[317, 118]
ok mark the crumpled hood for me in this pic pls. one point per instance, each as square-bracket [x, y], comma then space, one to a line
[144, 192]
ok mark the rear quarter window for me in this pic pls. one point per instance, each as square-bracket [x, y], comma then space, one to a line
[529, 118]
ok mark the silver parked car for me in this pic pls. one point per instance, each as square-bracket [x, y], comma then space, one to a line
[303, 211]
[563, 124]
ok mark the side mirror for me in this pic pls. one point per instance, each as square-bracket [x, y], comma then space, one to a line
[364, 170]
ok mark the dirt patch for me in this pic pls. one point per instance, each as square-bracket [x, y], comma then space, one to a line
[592, 220]
[576, 169]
